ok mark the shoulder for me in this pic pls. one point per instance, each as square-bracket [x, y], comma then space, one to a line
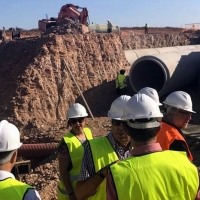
[32, 194]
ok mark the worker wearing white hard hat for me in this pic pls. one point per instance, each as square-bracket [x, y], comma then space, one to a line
[70, 151]
[10, 188]
[109, 26]
[150, 172]
[151, 93]
[101, 152]
[178, 106]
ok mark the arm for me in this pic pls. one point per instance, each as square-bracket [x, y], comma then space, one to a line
[117, 82]
[90, 185]
[125, 81]
[110, 188]
[178, 145]
[64, 161]
[198, 192]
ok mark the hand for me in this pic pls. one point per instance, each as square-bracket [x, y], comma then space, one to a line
[104, 170]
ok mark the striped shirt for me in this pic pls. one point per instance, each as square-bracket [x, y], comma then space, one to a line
[87, 167]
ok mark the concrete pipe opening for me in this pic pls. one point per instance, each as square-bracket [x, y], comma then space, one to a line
[165, 72]
[147, 72]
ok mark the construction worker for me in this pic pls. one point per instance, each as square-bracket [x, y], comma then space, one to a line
[146, 28]
[178, 112]
[70, 151]
[10, 188]
[151, 93]
[109, 26]
[3, 34]
[150, 173]
[101, 152]
[121, 83]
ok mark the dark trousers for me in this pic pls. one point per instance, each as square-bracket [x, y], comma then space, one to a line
[121, 91]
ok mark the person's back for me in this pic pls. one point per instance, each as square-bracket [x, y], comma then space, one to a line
[10, 188]
[173, 177]
[121, 83]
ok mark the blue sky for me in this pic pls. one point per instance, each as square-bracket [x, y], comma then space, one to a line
[125, 13]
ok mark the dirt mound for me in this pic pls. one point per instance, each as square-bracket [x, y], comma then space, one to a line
[37, 88]
[67, 26]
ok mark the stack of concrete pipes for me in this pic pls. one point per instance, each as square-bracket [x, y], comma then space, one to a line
[164, 69]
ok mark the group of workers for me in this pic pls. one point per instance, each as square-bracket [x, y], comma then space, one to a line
[144, 156]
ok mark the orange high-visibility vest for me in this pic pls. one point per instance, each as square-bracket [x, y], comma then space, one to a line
[167, 135]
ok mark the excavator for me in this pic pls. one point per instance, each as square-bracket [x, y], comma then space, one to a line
[77, 14]
[67, 11]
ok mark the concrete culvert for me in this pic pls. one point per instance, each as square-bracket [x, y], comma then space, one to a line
[165, 72]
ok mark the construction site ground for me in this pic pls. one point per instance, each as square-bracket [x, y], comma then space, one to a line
[37, 87]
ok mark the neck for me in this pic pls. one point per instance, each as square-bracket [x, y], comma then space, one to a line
[137, 144]
[77, 133]
[6, 167]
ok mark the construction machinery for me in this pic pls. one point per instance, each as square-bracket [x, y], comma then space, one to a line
[67, 11]
[77, 14]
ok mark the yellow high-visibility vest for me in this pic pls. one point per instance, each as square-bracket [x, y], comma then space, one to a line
[166, 175]
[11, 189]
[120, 81]
[103, 154]
[76, 151]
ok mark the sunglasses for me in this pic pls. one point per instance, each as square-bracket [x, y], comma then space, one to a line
[185, 113]
[75, 120]
[117, 122]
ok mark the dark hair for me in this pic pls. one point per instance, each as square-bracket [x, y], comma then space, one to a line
[142, 135]
[122, 71]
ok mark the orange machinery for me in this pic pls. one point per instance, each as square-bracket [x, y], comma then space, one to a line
[67, 11]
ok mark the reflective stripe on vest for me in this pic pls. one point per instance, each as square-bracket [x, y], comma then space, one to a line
[166, 175]
[13, 189]
[103, 154]
[120, 81]
[76, 150]
[167, 135]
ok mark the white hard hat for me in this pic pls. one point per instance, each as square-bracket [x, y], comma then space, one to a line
[117, 107]
[151, 93]
[141, 106]
[9, 137]
[180, 100]
[108, 20]
[76, 110]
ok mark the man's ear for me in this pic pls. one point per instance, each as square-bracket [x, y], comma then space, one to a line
[14, 157]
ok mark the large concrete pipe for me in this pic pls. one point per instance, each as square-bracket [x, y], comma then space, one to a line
[133, 55]
[165, 72]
